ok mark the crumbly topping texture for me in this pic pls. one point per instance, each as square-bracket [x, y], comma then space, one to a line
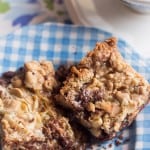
[103, 91]
[29, 118]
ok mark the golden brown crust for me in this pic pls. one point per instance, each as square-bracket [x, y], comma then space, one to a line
[103, 90]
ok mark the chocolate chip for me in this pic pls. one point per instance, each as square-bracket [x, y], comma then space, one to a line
[86, 96]
[8, 74]
[2, 82]
[98, 94]
[62, 73]
[6, 77]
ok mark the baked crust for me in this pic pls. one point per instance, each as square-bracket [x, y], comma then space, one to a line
[103, 91]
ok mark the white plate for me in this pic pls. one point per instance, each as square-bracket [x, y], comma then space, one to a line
[112, 16]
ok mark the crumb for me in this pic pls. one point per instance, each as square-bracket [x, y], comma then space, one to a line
[120, 137]
[110, 145]
[117, 142]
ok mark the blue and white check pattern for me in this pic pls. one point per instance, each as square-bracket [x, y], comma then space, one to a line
[64, 44]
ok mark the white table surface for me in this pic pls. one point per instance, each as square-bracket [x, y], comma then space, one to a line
[112, 16]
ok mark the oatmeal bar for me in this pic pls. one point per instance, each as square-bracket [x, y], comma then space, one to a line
[104, 93]
[29, 119]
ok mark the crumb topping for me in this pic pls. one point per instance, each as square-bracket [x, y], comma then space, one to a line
[29, 118]
[103, 90]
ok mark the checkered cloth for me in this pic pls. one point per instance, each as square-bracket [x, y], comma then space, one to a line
[64, 44]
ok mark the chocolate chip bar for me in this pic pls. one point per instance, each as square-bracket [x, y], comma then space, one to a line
[104, 92]
[29, 118]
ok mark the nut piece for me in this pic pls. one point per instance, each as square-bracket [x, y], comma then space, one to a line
[17, 92]
[96, 121]
[84, 74]
[47, 66]
[116, 126]
[111, 107]
[91, 107]
[123, 97]
[1, 107]
[34, 80]
[50, 83]
[16, 82]
[39, 75]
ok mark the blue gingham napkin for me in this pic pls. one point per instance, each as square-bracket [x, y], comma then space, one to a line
[64, 44]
